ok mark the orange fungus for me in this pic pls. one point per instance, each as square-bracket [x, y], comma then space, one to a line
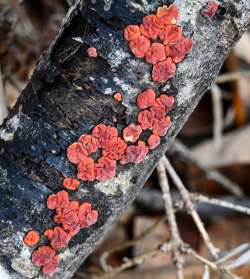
[156, 53]
[31, 238]
[131, 32]
[139, 46]
[71, 183]
[43, 255]
[50, 268]
[164, 70]
[132, 132]
[91, 51]
[153, 141]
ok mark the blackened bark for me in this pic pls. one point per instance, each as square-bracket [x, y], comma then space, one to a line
[70, 93]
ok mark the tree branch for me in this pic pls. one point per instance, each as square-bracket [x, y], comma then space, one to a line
[69, 94]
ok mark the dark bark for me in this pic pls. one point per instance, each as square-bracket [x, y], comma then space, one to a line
[69, 94]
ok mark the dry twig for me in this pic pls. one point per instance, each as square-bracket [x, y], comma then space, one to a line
[190, 208]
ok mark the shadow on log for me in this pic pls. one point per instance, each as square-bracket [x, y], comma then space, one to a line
[69, 93]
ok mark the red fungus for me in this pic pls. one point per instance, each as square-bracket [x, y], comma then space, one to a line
[86, 170]
[170, 34]
[165, 101]
[68, 217]
[146, 99]
[48, 233]
[132, 132]
[160, 127]
[153, 141]
[105, 135]
[43, 255]
[210, 10]
[105, 168]
[131, 32]
[179, 49]
[167, 15]
[118, 96]
[135, 153]
[58, 200]
[31, 238]
[116, 151]
[156, 53]
[76, 153]
[91, 51]
[139, 46]
[59, 239]
[50, 268]
[145, 119]
[87, 216]
[70, 183]
[89, 143]
[149, 27]
[163, 71]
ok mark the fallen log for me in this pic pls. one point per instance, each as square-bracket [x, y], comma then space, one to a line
[69, 94]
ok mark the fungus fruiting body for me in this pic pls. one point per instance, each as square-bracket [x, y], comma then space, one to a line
[43, 255]
[131, 32]
[116, 151]
[87, 215]
[135, 153]
[71, 183]
[31, 238]
[50, 268]
[153, 141]
[173, 46]
[210, 10]
[92, 52]
[132, 133]
[156, 53]
[58, 238]
[105, 169]
[86, 169]
[149, 27]
[164, 70]
[146, 99]
[118, 96]
[139, 46]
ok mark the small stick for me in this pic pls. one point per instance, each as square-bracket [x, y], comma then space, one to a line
[190, 207]
[228, 77]
[217, 115]
[221, 203]
[175, 235]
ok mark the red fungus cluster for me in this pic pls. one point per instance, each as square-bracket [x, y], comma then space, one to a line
[159, 41]
[126, 149]
[70, 217]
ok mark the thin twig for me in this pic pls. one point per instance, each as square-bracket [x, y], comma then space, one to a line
[226, 183]
[221, 203]
[190, 207]
[175, 235]
[3, 106]
[217, 115]
[228, 77]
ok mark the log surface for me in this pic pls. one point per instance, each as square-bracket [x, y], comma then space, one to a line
[70, 93]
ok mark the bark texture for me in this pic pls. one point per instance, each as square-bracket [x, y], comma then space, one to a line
[70, 93]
